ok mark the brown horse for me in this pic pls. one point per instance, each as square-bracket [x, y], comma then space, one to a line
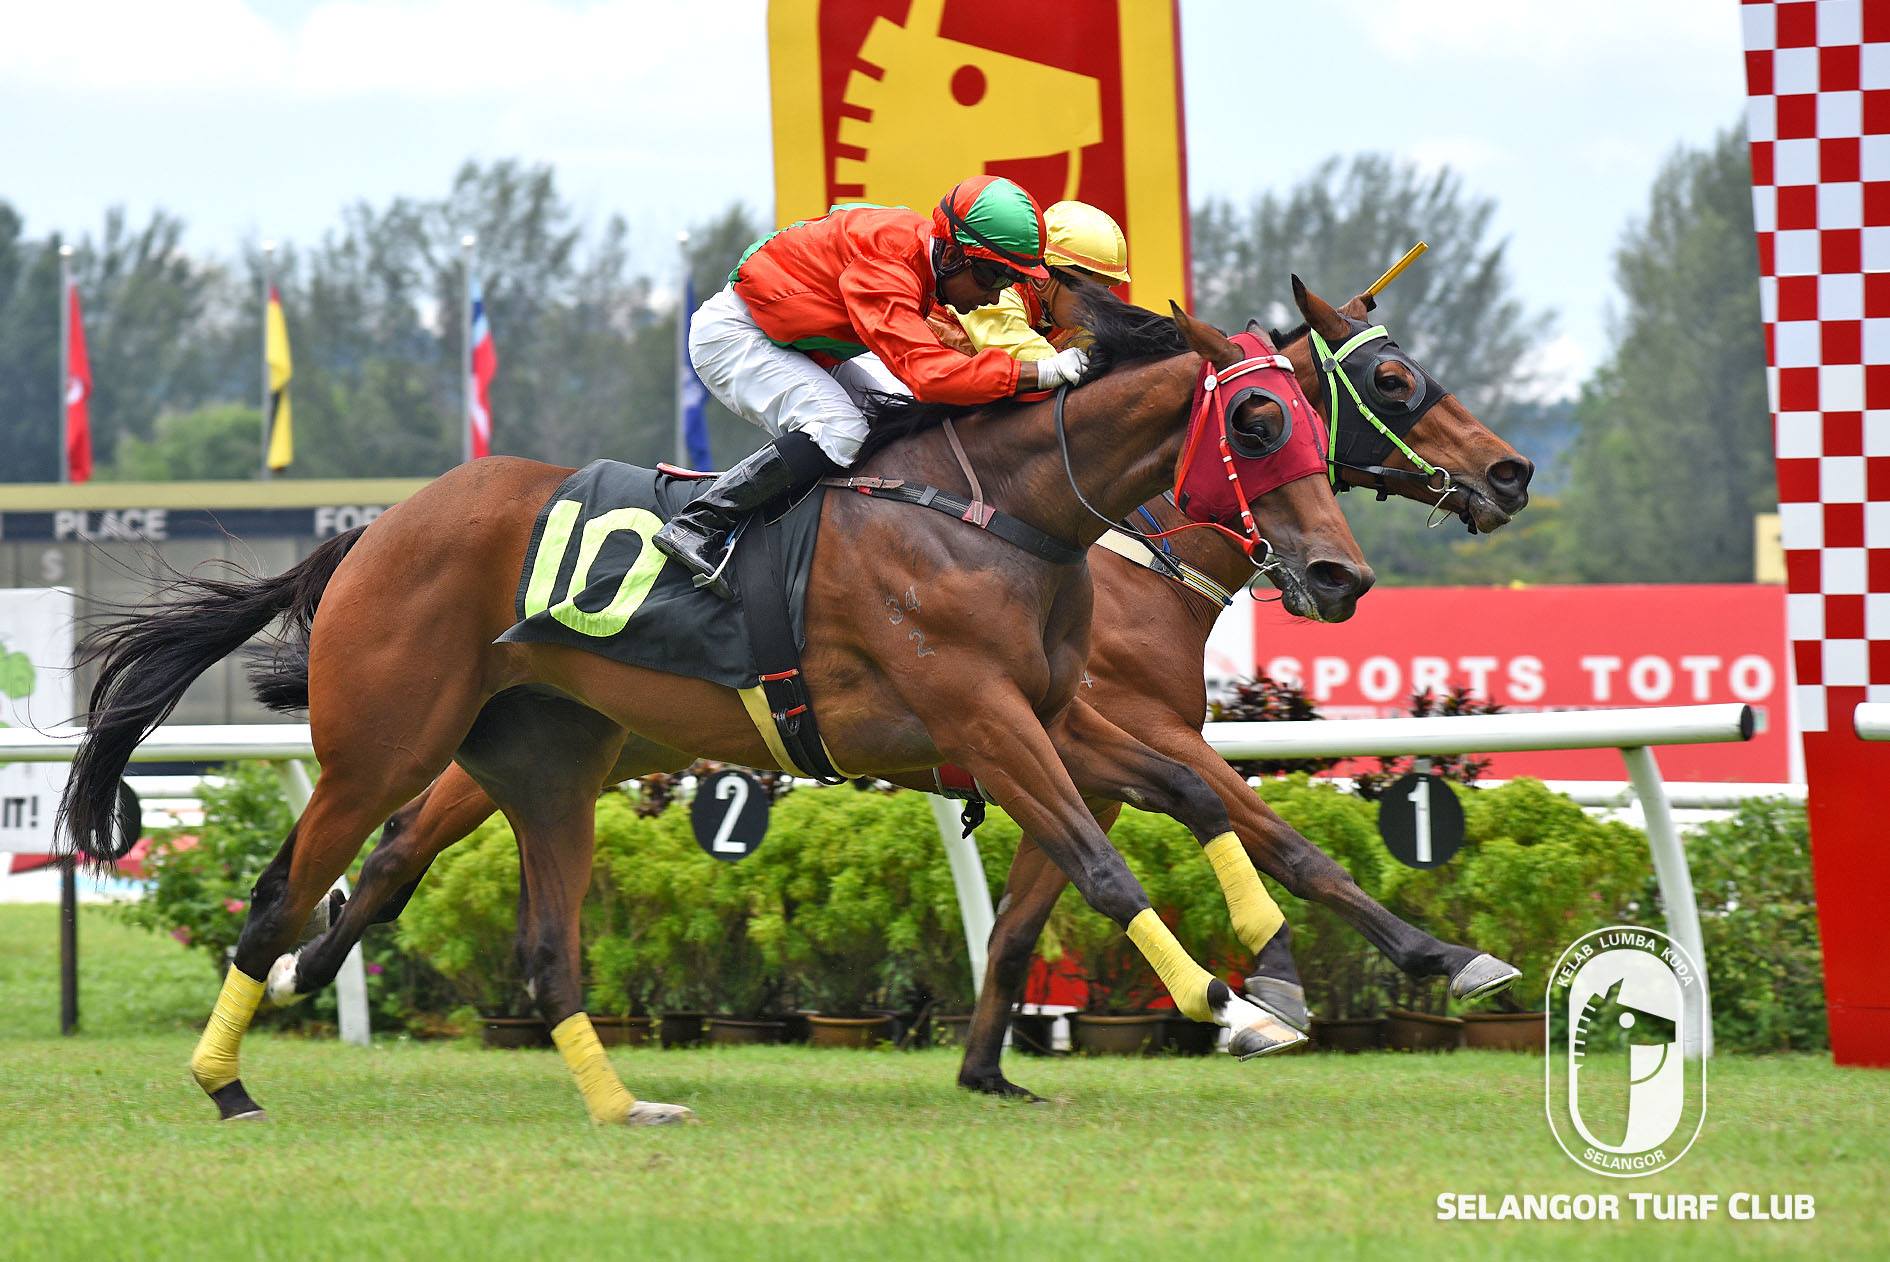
[1145, 675]
[405, 677]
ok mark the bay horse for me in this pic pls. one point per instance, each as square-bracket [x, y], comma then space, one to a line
[1144, 674]
[405, 677]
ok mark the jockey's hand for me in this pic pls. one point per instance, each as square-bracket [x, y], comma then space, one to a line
[1065, 368]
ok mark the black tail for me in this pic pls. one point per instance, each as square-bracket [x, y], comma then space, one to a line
[147, 660]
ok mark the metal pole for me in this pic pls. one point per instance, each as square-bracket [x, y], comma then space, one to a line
[682, 355]
[466, 244]
[1676, 882]
[65, 358]
[68, 949]
[268, 258]
[974, 896]
[351, 981]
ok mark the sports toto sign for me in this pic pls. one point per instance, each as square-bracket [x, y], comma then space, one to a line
[894, 101]
[1555, 648]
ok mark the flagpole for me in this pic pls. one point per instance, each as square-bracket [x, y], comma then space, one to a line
[268, 260]
[466, 244]
[65, 357]
[682, 346]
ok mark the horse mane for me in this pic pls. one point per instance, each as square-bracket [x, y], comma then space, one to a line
[1121, 334]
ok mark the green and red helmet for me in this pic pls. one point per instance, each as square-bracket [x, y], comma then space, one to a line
[992, 218]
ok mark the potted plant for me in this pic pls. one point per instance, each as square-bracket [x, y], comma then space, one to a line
[1541, 873]
[1342, 972]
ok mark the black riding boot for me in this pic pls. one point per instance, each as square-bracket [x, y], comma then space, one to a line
[697, 537]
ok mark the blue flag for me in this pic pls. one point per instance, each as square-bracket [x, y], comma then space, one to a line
[692, 397]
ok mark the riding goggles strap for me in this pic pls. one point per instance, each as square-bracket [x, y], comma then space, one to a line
[1331, 365]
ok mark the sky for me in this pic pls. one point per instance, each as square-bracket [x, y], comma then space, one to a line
[255, 120]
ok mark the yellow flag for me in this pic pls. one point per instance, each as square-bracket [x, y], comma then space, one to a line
[276, 350]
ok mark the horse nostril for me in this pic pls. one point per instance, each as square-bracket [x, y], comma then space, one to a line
[1339, 579]
[1511, 477]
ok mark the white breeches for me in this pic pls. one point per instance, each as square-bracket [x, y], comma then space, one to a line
[780, 389]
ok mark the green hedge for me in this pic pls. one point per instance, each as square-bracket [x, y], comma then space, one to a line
[850, 905]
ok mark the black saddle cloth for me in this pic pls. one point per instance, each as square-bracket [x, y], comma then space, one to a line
[629, 603]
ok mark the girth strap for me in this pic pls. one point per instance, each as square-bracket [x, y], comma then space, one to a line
[1012, 530]
[763, 588]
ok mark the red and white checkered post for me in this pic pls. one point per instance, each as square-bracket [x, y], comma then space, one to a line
[1818, 111]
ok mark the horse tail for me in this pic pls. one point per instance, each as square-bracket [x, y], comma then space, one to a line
[148, 658]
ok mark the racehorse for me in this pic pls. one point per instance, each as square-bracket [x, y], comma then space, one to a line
[405, 674]
[1154, 614]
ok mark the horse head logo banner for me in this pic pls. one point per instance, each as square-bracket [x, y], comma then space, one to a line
[895, 101]
[1626, 1084]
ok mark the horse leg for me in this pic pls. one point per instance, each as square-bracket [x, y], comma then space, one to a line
[1005, 746]
[1030, 893]
[543, 760]
[1308, 872]
[411, 839]
[352, 794]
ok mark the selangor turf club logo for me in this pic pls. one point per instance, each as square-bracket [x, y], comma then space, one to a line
[1626, 1081]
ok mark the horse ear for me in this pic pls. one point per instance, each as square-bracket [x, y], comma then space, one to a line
[1204, 339]
[1319, 313]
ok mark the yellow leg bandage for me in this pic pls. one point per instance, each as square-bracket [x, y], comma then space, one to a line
[1187, 981]
[604, 1093]
[213, 1064]
[1256, 916]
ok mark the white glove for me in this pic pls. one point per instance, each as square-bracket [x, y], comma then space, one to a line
[1065, 368]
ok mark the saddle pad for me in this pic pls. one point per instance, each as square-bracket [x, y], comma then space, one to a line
[592, 581]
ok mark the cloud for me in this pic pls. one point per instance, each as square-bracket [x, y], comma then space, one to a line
[1672, 34]
[1558, 367]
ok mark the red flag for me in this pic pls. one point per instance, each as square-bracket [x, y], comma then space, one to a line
[485, 366]
[78, 395]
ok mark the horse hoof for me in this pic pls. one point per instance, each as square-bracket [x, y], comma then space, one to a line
[1266, 1037]
[1002, 1087]
[253, 1115]
[1285, 1000]
[280, 987]
[649, 1113]
[1482, 976]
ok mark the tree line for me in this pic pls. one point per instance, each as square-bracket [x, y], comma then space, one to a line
[1652, 473]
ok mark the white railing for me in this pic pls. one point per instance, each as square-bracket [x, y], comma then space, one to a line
[287, 745]
[1872, 720]
[1633, 732]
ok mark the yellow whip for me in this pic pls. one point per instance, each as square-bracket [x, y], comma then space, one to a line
[1392, 273]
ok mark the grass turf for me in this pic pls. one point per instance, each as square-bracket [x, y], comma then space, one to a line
[425, 1150]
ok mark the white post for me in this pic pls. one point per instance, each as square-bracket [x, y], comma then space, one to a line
[1676, 882]
[974, 896]
[65, 356]
[466, 244]
[351, 982]
[268, 260]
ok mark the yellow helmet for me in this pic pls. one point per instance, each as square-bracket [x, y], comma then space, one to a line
[1083, 236]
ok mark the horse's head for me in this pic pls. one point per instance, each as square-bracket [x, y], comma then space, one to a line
[1276, 456]
[1397, 429]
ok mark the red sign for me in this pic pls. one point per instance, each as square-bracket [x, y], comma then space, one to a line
[1555, 648]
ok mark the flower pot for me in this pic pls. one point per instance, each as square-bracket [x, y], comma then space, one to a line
[1186, 1037]
[951, 1029]
[1506, 1031]
[727, 1031]
[1030, 1032]
[1129, 1034]
[1407, 1031]
[1347, 1034]
[848, 1031]
[509, 1032]
[622, 1031]
[794, 1027]
[681, 1029]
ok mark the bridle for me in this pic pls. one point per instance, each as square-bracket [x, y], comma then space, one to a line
[1218, 396]
[1361, 447]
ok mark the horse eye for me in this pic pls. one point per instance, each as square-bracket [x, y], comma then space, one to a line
[1390, 381]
